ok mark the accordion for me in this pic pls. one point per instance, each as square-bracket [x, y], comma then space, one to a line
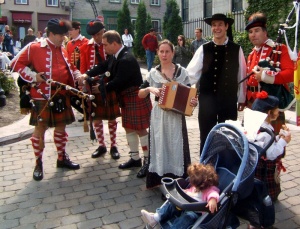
[176, 97]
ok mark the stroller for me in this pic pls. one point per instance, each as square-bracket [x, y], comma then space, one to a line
[235, 160]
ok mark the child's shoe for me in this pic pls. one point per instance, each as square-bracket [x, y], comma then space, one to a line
[148, 218]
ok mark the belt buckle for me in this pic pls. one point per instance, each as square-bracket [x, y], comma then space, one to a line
[253, 88]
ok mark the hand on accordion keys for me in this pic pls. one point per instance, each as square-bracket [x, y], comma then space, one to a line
[194, 102]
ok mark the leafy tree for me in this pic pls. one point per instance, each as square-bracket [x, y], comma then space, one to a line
[276, 12]
[141, 30]
[124, 19]
[148, 23]
[172, 23]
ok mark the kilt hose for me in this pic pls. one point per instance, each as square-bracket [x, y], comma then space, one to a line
[108, 110]
[265, 171]
[135, 112]
[51, 119]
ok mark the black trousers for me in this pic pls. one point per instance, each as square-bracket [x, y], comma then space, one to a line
[213, 110]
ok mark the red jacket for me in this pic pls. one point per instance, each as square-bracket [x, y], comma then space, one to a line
[88, 55]
[44, 57]
[283, 76]
[149, 42]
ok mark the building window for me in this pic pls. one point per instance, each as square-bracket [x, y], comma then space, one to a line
[207, 8]
[185, 10]
[52, 2]
[237, 5]
[134, 1]
[155, 3]
[156, 25]
[115, 1]
[21, 2]
[133, 22]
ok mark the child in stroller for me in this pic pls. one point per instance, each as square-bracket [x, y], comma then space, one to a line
[203, 181]
[227, 149]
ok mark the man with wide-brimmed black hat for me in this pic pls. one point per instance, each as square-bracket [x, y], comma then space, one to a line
[48, 59]
[92, 53]
[218, 66]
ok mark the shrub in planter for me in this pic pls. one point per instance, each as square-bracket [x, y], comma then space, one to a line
[7, 82]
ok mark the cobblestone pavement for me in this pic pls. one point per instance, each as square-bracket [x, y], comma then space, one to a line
[99, 195]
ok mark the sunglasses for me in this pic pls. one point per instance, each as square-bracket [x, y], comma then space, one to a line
[179, 39]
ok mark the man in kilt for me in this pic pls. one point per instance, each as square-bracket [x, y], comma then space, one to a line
[125, 80]
[72, 47]
[91, 54]
[48, 59]
[278, 57]
[262, 51]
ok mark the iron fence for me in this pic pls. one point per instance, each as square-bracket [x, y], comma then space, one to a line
[190, 26]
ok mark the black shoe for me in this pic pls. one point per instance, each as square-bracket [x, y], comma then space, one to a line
[143, 171]
[131, 163]
[38, 170]
[67, 163]
[99, 152]
[114, 152]
[81, 119]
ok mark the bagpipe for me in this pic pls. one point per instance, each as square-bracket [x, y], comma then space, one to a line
[88, 83]
[272, 62]
[56, 102]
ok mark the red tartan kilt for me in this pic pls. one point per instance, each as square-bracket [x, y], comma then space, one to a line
[135, 111]
[110, 111]
[268, 176]
[51, 119]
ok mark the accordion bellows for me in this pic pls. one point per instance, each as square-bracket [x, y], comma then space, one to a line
[176, 97]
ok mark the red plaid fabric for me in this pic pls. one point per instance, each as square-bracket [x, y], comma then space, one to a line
[110, 111]
[135, 111]
[51, 119]
[265, 171]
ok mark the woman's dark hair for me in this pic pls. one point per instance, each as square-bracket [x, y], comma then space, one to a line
[183, 39]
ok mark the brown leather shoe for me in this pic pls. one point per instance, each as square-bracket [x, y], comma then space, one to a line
[67, 163]
[99, 152]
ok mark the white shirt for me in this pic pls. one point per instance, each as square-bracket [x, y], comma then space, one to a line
[263, 138]
[127, 40]
[196, 65]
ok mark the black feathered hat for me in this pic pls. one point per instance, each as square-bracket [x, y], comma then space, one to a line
[264, 102]
[256, 20]
[58, 26]
[94, 26]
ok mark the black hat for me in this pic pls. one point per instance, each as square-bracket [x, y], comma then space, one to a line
[256, 20]
[94, 26]
[57, 26]
[264, 102]
[219, 17]
[76, 24]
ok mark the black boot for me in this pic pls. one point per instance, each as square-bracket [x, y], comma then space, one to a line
[38, 170]
[145, 168]
[67, 163]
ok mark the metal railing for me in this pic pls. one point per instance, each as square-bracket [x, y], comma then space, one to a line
[190, 26]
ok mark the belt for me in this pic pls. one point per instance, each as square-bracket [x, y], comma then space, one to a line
[252, 88]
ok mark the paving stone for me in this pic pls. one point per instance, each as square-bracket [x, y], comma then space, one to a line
[90, 224]
[48, 224]
[7, 224]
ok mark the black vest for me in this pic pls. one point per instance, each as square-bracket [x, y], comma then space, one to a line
[220, 69]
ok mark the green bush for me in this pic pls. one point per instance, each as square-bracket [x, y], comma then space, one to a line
[7, 82]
